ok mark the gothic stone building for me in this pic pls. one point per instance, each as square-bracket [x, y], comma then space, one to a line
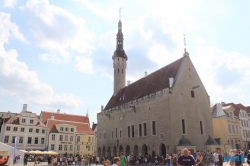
[160, 113]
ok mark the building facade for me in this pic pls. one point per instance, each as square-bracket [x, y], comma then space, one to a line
[68, 134]
[29, 130]
[226, 127]
[158, 114]
[94, 129]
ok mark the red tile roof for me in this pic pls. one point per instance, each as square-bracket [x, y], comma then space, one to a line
[152, 83]
[15, 120]
[82, 128]
[248, 109]
[237, 109]
[61, 116]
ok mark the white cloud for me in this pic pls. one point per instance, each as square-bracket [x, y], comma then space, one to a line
[58, 31]
[84, 65]
[21, 83]
[9, 3]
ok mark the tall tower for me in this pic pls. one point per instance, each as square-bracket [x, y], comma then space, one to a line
[119, 61]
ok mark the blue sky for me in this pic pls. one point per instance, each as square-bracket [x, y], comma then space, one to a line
[58, 54]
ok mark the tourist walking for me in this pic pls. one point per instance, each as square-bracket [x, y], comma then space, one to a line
[200, 159]
[116, 161]
[185, 159]
[122, 159]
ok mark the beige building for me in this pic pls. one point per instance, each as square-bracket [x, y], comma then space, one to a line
[68, 134]
[226, 127]
[160, 113]
[26, 126]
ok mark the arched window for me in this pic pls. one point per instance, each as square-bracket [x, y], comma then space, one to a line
[192, 94]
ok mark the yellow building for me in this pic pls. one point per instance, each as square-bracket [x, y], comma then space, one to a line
[226, 127]
[68, 134]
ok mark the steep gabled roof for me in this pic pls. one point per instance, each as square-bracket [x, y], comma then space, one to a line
[61, 116]
[94, 126]
[152, 83]
[81, 128]
[217, 111]
[241, 106]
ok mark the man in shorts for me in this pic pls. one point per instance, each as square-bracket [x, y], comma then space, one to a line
[186, 159]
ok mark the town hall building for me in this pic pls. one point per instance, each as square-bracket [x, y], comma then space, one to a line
[158, 114]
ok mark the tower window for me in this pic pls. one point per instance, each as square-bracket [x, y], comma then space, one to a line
[122, 70]
[118, 70]
[201, 126]
[183, 126]
[192, 94]
[118, 59]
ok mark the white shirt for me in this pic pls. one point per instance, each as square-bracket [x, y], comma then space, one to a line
[216, 157]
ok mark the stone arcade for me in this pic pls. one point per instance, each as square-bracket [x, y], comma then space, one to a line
[160, 113]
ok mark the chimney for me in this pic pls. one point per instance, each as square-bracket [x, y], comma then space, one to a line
[52, 117]
[171, 81]
[146, 73]
[25, 107]
[102, 108]
[128, 83]
[58, 111]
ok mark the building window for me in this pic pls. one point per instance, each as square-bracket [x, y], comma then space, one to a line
[71, 138]
[201, 127]
[244, 122]
[247, 123]
[229, 128]
[66, 138]
[8, 128]
[15, 129]
[112, 134]
[133, 131]
[89, 139]
[65, 147]
[237, 131]
[72, 129]
[71, 147]
[145, 129]
[13, 139]
[20, 140]
[6, 139]
[140, 130]
[30, 130]
[52, 147]
[241, 122]
[232, 144]
[43, 131]
[153, 128]
[183, 126]
[66, 129]
[37, 130]
[120, 133]
[61, 138]
[60, 147]
[78, 138]
[78, 147]
[118, 70]
[22, 129]
[42, 140]
[233, 128]
[192, 94]
[61, 128]
[115, 132]
[31, 121]
[36, 140]
[231, 114]
[92, 139]
[29, 140]
[128, 131]
[23, 120]
[53, 137]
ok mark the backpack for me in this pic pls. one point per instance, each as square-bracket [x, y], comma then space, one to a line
[248, 158]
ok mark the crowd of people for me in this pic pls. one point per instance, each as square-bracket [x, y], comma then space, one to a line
[200, 158]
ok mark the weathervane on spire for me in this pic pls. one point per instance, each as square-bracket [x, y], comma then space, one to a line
[184, 43]
[120, 14]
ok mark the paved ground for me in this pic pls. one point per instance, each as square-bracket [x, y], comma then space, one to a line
[45, 164]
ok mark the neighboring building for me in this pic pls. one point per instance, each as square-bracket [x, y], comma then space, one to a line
[241, 113]
[68, 134]
[26, 126]
[160, 113]
[7, 114]
[94, 129]
[226, 127]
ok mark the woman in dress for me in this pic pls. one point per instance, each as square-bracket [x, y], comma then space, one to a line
[199, 159]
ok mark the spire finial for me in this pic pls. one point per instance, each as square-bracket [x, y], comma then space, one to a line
[87, 112]
[120, 14]
[184, 43]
